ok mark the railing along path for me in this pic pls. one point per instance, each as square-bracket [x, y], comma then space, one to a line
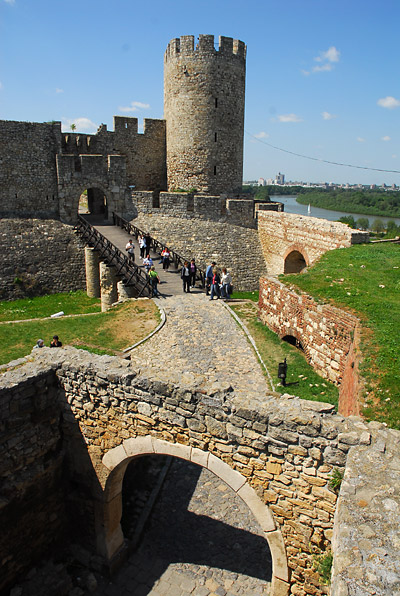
[157, 246]
[125, 267]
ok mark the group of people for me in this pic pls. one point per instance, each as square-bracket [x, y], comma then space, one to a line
[55, 343]
[188, 275]
[218, 284]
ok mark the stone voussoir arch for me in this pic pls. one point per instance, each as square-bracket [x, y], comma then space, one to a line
[296, 247]
[115, 463]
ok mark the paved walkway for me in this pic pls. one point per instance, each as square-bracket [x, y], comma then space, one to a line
[202, 540]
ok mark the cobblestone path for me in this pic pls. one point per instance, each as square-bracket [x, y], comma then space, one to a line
[202, 540]
[202, 346]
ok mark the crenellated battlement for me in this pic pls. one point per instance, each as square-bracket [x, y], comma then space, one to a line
[184, 46]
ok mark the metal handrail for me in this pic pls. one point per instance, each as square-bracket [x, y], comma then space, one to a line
[131, 274]
[157, 246]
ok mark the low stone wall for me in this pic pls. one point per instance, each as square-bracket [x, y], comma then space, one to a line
[366, 540]
[32, 513]
[236, 248]
[325, 332]
[236, 210]
[283, 233]
[39, 257]
[277, 451]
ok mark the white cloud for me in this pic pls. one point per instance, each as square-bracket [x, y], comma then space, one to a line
[328, 116]
[82, 125]
[388, 102]
[360, 140]
[323, 68]
[134, 107]
[9, 1]
[58, 90]
[262, 135]
[289, 118]
[394, 156]
[331, 55]
[386, 138]
[306, 73]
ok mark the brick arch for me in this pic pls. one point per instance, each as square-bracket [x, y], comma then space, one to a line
[109, 533]
[283, 331]
[296, 247]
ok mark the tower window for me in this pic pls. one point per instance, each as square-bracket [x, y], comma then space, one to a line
[216, 102]
[215, 137]
[215, 170]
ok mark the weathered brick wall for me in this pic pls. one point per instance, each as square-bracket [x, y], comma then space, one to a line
[325, 332]
[28, 177]
[234, 247]
[282, 233]
[39, 257]
[204, 93]
[32, 514]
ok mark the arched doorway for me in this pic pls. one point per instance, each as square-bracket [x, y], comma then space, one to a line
[110, 537]
[292, 340]
[93, 202]
[294, 262]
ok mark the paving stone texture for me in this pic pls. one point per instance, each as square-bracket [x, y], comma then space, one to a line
[202, 540]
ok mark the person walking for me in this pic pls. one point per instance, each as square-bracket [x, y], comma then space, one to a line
[154, 281]
[185, 276]
[209, 276]
[142, 246]
[193, 271]
[215, 284]
[131, 249]
[166, 256]
[148, 263]
[226, 283]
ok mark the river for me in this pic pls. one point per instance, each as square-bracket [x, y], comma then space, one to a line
[292, 206]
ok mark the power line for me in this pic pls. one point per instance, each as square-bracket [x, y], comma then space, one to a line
[333, 163]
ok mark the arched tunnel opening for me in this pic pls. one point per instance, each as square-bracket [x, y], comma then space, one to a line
[290, 339]
[187, 525]
[294, 262]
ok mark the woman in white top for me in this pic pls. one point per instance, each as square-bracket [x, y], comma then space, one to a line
[226, 282]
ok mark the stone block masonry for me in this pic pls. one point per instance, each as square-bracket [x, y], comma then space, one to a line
[326, 334]
[275, 452]
[234, 247]
[39, 257]
[282, 234]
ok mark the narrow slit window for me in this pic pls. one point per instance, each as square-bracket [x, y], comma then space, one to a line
[215, 137]
[216, 102]
[215, 170]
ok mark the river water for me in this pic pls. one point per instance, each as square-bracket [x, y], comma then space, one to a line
[291, 206]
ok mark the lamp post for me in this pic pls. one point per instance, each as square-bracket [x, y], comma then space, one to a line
[282, 370]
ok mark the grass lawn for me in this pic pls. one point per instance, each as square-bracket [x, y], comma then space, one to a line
[301, 378]
[365, 279]
[101, 333]
[72, 303]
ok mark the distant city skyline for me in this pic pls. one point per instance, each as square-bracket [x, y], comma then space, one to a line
[321, 77]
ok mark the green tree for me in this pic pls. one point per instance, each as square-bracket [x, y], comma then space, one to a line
[378, 226]
[392, 230]
[73, 127]
[349, 220]
[363, 223]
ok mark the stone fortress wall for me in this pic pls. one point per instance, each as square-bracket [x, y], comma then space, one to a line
[277, 454]
[204, 91]
[39, 257]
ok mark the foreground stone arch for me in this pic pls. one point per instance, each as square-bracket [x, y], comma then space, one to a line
[110, 538]
[295, 259]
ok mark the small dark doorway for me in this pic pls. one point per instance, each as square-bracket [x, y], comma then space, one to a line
[93, 201]
[294, 262]
[293, 341]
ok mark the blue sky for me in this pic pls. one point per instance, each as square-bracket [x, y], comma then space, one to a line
[322, 76]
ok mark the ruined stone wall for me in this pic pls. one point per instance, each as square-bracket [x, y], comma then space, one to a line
[234, 247]
[282, 233]
[32, 513]
[39, 257]
[325, 332]
[223, 209]
[28, 177]
[204, 108]
[284, 447]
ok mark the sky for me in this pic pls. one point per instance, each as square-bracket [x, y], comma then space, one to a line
[322, 76]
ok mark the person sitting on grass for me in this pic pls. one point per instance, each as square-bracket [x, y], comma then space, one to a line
[55, 342]
[39, 344]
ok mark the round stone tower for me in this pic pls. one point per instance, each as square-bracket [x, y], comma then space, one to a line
[204, 109]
